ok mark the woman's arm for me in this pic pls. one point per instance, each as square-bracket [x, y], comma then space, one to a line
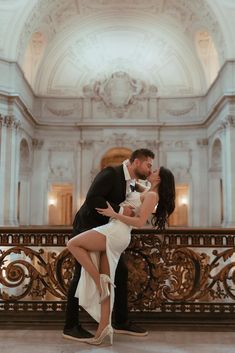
[147, 207]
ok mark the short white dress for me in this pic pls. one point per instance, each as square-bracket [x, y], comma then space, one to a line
[118, 237]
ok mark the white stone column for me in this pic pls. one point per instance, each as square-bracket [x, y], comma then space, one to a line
[228, 162]
[3, 144]
[24, 202]
[38, 190]
[199, 198]
[215, 201]
[77, 198]
[10, 170]
[86, 167]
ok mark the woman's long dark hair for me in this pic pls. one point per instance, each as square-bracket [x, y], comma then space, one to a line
[166, 202]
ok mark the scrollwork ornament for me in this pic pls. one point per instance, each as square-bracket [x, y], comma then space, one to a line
[169, 271]
[33, 275]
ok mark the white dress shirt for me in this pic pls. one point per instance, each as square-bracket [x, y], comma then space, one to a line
[128, 179]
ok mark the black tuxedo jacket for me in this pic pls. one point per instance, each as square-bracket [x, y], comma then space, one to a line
[109, 185]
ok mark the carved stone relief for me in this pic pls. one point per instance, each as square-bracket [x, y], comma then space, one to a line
[9, 121]
[129, 141]
[118, 93]
[119, 90]
[176, 111]
[179, 162]
[48, 16]
[60, 166]
[60, 108]
[181, 172]
[179, 145]
[91, 6]
[37, 144]
[229, 120]
[61, 146]
[202, 142]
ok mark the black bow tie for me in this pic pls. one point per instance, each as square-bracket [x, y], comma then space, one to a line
[132, 187]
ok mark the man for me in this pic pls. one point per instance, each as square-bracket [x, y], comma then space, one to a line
[111, 184]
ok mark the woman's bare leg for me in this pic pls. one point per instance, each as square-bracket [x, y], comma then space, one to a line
[105, 305]
[81, 245]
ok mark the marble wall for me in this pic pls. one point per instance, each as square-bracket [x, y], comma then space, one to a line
[46, 141]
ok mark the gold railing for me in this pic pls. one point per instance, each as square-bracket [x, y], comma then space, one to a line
[183, 271]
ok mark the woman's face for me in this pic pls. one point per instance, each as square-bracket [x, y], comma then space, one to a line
[154, 177]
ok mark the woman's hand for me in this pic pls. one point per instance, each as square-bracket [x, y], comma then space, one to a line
[108, 212]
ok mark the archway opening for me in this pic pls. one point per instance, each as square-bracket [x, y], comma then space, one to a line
[60, 202]
[115, 156]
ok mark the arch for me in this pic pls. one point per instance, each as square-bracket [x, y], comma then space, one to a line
[115, 156]
[24, 156]
[216, 187]
[23, 209]
[166, 40]
[216, 155]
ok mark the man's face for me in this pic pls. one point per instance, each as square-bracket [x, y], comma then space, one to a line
[142, 168]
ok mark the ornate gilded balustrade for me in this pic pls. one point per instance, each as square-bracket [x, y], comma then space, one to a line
[181, 272]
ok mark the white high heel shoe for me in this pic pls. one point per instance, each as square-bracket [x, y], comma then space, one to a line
[106, 337]
[104, 283]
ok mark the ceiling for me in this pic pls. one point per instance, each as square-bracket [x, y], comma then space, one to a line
[176, 46]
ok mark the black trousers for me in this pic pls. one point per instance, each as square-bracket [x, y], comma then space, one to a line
[121, 295]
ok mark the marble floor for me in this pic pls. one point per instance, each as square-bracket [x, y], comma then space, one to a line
[50, 341]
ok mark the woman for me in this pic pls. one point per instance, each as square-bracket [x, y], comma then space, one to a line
[98, 250]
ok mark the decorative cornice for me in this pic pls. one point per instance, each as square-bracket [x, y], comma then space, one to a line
[125, 140]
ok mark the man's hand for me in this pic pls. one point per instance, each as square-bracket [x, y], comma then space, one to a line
[128, 211]
[108, 212]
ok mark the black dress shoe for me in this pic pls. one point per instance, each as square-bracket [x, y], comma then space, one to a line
[77, 333]
[128, 328]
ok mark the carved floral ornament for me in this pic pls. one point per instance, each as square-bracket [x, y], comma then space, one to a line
[120, 140]
[228, 121]
[119, 91]
[202, 142]
[37, 144]
[9, 121]
[123, 139]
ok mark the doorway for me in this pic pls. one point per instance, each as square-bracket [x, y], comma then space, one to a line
[115, 156]
[60, 203]
[179, 217]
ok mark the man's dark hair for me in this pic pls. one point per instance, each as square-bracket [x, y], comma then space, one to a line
[142, 153]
